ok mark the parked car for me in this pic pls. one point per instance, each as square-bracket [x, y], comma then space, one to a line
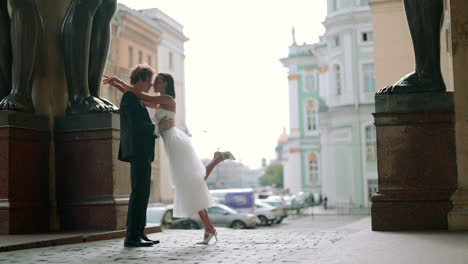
[155, 214]
[266, 213]
[280, 208]
[290, 202]
[222, 215]
[164, 217]
[277, 198]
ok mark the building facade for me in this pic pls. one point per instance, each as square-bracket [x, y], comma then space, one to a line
[170, 59]
[154, 38]
[331, 147]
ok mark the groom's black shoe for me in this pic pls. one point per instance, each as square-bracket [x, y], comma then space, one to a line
[145, 238]
[137, 243]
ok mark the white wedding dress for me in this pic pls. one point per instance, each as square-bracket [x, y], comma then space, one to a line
[190, 190]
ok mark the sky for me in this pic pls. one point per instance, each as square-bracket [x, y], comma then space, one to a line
[236, 87]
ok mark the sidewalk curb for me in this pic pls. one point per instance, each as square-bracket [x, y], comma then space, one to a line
[74, 239]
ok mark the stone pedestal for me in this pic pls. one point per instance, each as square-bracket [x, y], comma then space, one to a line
[24, 173]
[458, 217]
[416, 161]
[93, 186]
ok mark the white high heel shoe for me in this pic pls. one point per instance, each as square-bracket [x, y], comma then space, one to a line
[207, 240]
[226, 155]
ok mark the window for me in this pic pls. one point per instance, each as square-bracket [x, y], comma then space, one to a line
[167, 217]
[365, 2]
[336, 41]
[149, 60]
[338, 79]
[310, 83]
[216, 199]
[171, 63]
[335, 5]
[311, 116]
[313, 169]
[371, 188]
[215, 211]
[371, 143]
[130, 57]
[140, 57]
[369, 77]
[367, 36]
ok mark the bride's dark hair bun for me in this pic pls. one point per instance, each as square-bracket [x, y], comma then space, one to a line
[170, 89]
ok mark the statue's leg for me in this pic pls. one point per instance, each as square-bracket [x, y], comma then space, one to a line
[25, 29]
[75, 36]
[424, 21]
[5, 50]
[100, 43]
[432, 18]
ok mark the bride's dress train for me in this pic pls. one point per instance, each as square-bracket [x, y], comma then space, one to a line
[190, 190]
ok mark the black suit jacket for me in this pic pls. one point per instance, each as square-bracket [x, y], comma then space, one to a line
[137, 136]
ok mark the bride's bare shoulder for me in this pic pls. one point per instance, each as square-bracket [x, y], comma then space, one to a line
[170, 97]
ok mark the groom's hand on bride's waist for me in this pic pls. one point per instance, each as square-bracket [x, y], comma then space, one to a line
[165, 124]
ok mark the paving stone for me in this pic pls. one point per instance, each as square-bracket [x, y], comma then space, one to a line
[178, 246]
[294, 241]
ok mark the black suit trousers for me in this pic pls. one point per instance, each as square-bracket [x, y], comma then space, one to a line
[140, 170]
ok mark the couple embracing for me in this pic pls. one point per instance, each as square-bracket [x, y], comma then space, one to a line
[137, 141]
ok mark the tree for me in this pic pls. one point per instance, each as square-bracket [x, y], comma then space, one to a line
[273, 176]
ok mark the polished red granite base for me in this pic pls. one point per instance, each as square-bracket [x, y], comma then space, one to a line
[93, 187]
[24, 174]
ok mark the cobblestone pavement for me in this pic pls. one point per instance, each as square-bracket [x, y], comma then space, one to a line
[261, 245]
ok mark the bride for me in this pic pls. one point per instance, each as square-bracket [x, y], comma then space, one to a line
[191, 193]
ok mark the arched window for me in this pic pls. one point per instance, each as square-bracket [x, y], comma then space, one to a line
[369, 77]
[310, 83]
[311, 115]
[338, 88]
[313, 169]
[371, 143]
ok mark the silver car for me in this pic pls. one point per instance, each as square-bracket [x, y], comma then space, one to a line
[280, 208]
[266, 213]
[222, 215]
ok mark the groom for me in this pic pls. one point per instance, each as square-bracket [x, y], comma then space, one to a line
[137, 141]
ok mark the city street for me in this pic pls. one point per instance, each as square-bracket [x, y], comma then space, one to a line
[296, 240]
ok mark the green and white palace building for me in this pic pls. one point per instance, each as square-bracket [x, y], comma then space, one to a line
[331, 146]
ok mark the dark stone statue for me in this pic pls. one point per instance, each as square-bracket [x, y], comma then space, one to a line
[424, 20]
[26, 27]
[5, 51]
[85, 38]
